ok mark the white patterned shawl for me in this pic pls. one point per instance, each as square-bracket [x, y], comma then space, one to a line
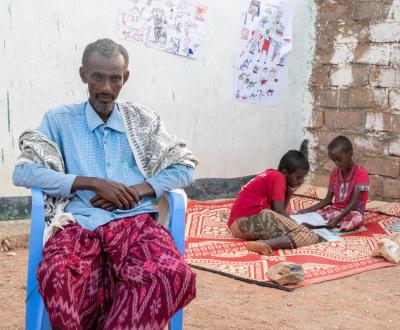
[37, 148]
[153, 148]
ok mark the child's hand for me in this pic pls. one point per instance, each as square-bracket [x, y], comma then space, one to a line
[333, 223]
[307, 225]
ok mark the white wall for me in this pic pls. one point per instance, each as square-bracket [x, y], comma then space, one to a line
[40, 51]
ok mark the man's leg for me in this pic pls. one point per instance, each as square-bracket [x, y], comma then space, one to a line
[70, 278]
[152, 279]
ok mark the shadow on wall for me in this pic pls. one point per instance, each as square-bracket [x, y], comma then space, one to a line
[206, 189]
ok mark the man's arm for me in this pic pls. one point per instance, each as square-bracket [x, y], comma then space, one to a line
[173, 177]
[30, 175]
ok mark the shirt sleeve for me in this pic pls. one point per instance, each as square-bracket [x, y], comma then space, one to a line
[362, 181]
[279, 189]
[173, 177]
[30, 175]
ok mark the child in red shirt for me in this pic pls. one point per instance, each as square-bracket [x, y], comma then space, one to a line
[259, 212]
[348, 189]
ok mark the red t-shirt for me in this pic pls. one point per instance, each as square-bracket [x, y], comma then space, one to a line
[258, 194]
[343, 189]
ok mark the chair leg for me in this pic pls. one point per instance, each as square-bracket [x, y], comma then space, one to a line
[176, 322]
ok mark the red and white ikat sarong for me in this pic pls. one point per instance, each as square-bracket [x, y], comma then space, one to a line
[127, 274]
[352, 221]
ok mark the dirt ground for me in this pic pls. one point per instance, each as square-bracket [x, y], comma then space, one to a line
[369, 300]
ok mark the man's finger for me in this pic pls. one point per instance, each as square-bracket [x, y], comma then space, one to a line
[125, 205]
[99, 202]
[95, 199]
[134, 194]
[107, 206]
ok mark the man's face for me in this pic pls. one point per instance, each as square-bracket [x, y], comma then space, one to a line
[105, 78]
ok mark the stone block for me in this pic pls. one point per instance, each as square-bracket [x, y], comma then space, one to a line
[382, 166]
[384, 122]
[395, 57]
[316, 119]
[385, 32]
[394, 99]
[344, 119]
[367, 98]
[391, 188]
[331, 98]
[335, 12]
[377, 54]
[384, 77]
[349, 76]
[320, 75]
[394, 147]
[369, 10]
[375, 186]
[366, 144]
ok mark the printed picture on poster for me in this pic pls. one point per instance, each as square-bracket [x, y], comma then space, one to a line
[265, 39]
[175, 26]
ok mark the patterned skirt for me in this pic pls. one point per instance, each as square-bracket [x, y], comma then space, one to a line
[127, 274]
[268, 224]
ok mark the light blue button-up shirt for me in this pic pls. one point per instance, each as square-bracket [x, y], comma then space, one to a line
[92, 148]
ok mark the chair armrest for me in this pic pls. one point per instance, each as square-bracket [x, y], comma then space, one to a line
[177, 203]
[35, 238]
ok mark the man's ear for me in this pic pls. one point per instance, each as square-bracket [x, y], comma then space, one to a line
[126, 76]
[82, 73]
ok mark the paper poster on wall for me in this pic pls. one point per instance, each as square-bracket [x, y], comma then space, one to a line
[175, 26]
[266, 37]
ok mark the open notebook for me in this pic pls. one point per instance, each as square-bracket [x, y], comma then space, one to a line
[312, 218]
[315, 219]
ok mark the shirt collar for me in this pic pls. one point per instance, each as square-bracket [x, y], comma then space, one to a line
[114, 121]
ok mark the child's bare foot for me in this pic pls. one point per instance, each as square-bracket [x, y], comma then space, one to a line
[259, 247]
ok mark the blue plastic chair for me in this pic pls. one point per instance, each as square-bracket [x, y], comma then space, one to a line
[36, 317]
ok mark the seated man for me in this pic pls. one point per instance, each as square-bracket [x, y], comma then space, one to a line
[112, 266]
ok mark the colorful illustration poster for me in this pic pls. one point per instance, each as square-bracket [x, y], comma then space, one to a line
[266, 37]
[174, 26]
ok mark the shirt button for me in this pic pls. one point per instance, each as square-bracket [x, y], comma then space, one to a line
[108, 164]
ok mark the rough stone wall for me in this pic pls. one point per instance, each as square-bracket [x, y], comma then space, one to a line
[354, 88]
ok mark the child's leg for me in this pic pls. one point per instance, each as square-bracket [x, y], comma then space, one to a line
[352, 221]
[272, 231]
[264, 225]
[329, 212]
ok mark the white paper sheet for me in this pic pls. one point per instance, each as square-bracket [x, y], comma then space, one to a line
[327, 235]
[312, 218]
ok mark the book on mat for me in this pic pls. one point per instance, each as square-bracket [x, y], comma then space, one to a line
[327, 235]
[312, 218]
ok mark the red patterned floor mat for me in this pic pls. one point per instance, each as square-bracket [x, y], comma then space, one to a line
[210, 246]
